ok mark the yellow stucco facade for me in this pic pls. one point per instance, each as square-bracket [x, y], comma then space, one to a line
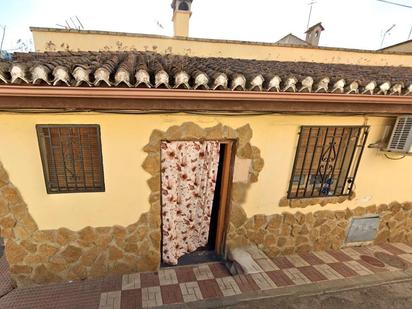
[127, 193]
[46, 39]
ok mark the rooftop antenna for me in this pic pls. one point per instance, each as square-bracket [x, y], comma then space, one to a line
[398, 4]
[310, 12]
[77, 24]
[387, 32]
[80, 23]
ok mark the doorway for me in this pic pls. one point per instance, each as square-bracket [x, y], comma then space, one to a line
[195, 245]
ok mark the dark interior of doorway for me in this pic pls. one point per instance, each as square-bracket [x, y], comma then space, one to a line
[208, 253]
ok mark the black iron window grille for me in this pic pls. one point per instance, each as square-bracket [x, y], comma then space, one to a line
[71, 157]
[326, 161]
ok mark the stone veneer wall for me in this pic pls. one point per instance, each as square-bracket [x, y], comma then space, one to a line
[42, 256]
[288, 233]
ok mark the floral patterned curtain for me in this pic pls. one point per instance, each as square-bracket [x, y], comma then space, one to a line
[189, 170]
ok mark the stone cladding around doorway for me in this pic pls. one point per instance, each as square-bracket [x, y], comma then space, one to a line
[42, 256]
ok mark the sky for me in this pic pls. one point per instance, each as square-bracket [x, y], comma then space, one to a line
[356, 24]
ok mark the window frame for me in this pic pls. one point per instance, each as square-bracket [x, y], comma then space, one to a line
[354, 161]
[45, 165]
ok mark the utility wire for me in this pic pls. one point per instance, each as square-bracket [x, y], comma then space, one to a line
[395, 3]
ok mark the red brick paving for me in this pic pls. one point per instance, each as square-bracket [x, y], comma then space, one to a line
[280, 278]
[149, 279]
[246, 283]
[219, 270]
[86, 294]
[311, 258]
[392, 249]
[185, 274]
[282, 262]
[171, 294]
[312, 273]
[209, 288]
[75, 295]
[131, 299]
[343, 269]
[339, 255]
[372, 261]
[112, 283]
[371, 267]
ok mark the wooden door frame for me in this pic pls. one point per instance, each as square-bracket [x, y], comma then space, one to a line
[225, 195]
[225, 190]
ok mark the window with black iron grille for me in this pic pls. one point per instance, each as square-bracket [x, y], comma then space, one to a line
[326, 161]
[71, 157]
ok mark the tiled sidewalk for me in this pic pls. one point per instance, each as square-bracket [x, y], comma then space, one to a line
[188, 284]
[207, 281]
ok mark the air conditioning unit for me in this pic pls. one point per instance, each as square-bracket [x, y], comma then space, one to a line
[401, 138]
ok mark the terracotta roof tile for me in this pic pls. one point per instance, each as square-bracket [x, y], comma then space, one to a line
[148, 69]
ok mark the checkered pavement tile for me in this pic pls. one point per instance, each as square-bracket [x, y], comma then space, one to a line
[296, 276]
[167, 276]
[328, 272]
[282, 262]
[339, 255]
[219, 270]
[228, 286]
[171, 294]
[203, 272]
[297, 261]
[185, 274]
[342, 269]
[325, 257]
[209, 288]
[190, 291]
[149, 280]
[312, 273]
[110, 300]
[310, 258]
[193, 283]
[131, 281]
[280, 278]
[392, 249]
[374, 249]
[131, 299]
[151, 297]
[263, 281]
[358, 268]
[404, 247]
[266, 264]
[246, 283]
[355, 255]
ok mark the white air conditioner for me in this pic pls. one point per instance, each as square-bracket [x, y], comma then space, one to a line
[401, 138]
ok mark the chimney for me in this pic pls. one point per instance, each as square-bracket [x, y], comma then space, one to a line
[313, 34]
[181, 16]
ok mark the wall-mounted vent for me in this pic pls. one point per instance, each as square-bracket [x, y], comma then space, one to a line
[362, 229]
[401, 139]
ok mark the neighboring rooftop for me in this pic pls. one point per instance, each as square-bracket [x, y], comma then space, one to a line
[405, 47]
[291, 39]
[153, 70]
